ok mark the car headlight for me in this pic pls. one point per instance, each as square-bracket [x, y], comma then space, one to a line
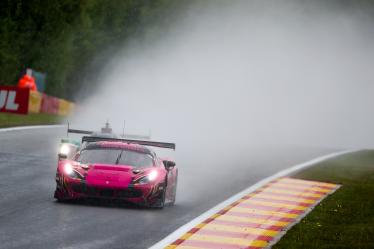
[152, 175]
[64, 149]
[148, 178]
[68, 169]
[143, 180]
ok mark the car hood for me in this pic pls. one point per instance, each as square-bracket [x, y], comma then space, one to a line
[113, 176]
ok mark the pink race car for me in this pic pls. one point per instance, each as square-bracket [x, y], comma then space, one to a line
[114, 168]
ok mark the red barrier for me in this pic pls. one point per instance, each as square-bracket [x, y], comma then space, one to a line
[14, 100]
[49, 104]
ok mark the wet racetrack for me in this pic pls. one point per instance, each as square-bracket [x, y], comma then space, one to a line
[31, 218]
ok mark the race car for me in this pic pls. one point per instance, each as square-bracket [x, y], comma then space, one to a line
[116, 168]
[69, 147]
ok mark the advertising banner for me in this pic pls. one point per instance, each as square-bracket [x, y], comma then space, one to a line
[35, 102]
[49, 104]
[14, 100]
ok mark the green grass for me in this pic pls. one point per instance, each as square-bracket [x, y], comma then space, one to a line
[9, 120]
[345, 219]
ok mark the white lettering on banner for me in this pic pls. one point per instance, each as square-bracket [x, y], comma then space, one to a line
[9, 102]
[3, 95]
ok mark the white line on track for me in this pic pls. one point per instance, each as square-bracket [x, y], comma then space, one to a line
[30, 127]
[185, 228]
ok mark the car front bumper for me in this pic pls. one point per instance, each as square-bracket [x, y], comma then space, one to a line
[72, 188]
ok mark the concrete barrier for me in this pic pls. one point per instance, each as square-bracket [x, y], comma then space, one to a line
[24, 101]
[49, 104]
[64, 107]
[42, 103]
[35, 102]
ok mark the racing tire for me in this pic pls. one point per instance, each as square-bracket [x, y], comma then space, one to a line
[59, 199]
[172, 201]
[58, 195]
[160, 202]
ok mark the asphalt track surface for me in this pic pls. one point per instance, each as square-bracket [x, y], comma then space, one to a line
[31, 218]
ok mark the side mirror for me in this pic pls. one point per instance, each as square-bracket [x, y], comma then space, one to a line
[168, 164]
[62, 156]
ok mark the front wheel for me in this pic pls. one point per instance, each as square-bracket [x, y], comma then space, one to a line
[160, 202]
[172, 201]
[59, 196]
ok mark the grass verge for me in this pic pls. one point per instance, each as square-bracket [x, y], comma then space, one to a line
[10, 120]
[344, 219]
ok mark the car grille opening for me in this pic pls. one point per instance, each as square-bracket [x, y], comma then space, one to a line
[106, 192]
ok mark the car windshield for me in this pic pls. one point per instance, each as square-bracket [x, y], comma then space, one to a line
[115, 156]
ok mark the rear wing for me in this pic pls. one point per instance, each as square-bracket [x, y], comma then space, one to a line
[90, 139]
[103, 131]
[80, 131]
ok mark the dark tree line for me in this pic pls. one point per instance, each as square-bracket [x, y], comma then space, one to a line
[61, 37]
